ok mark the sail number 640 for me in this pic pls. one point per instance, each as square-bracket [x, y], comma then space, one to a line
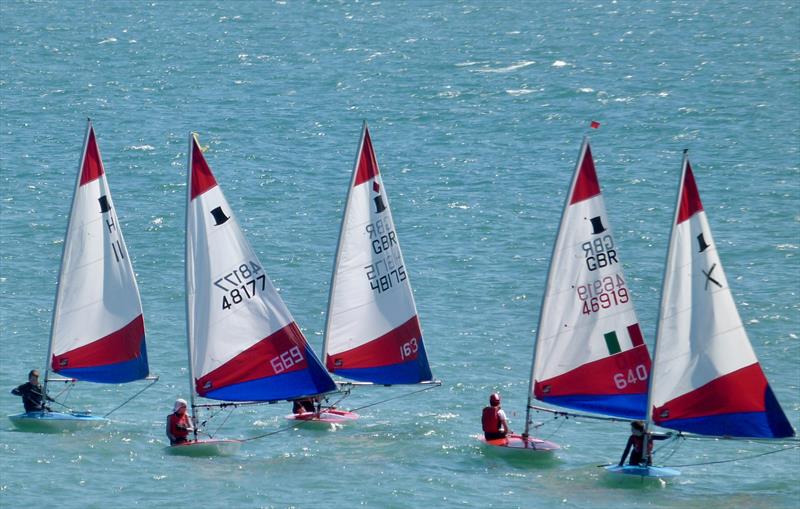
[634, 376]
[287, 359]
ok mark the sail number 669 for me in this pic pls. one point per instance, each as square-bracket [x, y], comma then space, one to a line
[634, 376]
[287, 359]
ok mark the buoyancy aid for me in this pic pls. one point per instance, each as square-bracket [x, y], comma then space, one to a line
[491, 419]
[178, 425]
[638, 444]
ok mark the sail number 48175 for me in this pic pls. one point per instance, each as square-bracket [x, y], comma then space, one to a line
[632, 377]
[287, 359]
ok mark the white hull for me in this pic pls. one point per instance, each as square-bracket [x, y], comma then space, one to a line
[204, 448]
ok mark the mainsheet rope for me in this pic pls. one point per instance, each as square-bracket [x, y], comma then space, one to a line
[301, 423]
[131, 398]
[735, 459]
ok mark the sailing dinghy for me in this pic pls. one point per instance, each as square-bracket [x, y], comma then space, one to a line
[372, 330]
[706, 378]
[97, 331]
[589, 354]
[244, 345]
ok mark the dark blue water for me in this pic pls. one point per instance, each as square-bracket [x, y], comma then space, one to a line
[476, 112]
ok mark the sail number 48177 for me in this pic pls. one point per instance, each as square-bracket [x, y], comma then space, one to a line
[632, 377]
[241, 283]
[287, 359]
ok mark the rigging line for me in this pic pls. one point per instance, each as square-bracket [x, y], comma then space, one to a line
[131, 398]
[567, 415]
[734, 459]
[65, 389]
[333, 405]
[222, 423]
[395, 397]
[771, 441]
[555, 430]
[279, 430]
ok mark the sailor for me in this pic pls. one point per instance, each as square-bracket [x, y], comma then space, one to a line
[304, 405]
[635, 444]
[32, 393]
[495, 423]
[178, 423]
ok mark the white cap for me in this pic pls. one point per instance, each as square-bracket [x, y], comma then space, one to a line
[179, 403]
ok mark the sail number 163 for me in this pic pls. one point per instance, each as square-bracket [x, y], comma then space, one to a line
[409, 348]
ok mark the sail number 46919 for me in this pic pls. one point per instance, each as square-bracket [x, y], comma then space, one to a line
[633, 377]
[602, 294]
[287, 359]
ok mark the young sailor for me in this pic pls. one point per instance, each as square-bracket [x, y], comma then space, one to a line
[178, 423]
[635, 444]
[495, 423]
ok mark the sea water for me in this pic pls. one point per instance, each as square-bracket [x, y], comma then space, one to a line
[476, 110]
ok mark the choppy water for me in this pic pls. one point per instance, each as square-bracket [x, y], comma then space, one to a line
[476, 111]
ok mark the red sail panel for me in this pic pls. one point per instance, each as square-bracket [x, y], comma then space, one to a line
[367, 164]
[740, 391]
[92, 165]
[119, 346]
[690, 197]
[622, 373]
[284, 351]
[202, 178]
[586, 184]
[385, 350]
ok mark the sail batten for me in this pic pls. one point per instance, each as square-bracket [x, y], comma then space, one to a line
[372, 331]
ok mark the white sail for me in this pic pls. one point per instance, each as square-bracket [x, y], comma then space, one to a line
[706, 377]
[98, 328]
[590, 353]
[244, 344]
[373, 332]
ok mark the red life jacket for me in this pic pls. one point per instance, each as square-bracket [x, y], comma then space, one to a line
[490, 419]
[174, 421]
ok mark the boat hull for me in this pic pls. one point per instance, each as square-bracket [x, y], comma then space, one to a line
[328, 417]
[643, 472]
[205, 448]
[516, 444]
[55, 422]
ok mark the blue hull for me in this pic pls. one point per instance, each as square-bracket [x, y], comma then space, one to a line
[55, 422]
[645, 472]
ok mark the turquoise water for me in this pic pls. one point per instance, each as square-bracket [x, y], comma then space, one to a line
[476, 110]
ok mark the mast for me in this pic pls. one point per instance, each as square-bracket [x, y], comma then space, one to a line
[192, 138]
[339, 245]
[61, 266]
[567, 198]
[649, 419]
